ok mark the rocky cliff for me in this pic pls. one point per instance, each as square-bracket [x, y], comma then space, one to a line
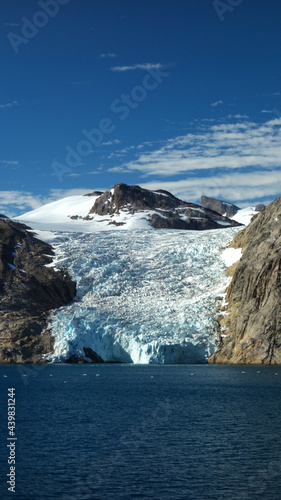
[160, 208]
[28, 290]
[222, 207]
[251, 320]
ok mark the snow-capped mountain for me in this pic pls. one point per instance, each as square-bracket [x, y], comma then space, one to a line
[143, 296]
[124, 207]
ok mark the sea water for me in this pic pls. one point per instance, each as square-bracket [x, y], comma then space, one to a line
[126, 431]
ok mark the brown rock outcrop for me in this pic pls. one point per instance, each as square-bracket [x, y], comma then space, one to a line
[166, 211]
[252, 323]
[222, 207]
[28, 291]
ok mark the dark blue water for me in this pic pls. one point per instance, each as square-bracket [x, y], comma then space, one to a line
[144, 432]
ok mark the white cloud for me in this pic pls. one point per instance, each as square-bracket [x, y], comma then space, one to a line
[145, 66]
[110, 143]
[9, 105]
[229, 145]
[244, 189]
[214, 104]
[9, 162]
[108, 55]
[266, 111]
[14, 203]
[216, 158]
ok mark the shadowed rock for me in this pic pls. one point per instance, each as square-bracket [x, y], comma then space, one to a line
[92, 356]
[222, 207]
[161, 209]
[28, 291]
[259, 208]
[94, 193]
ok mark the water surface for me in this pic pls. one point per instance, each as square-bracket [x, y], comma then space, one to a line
[100, 432]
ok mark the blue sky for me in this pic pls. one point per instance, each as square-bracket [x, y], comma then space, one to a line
[182, 95]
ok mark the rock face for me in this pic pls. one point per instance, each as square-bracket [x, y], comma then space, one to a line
[259, 208]
[252, 323]
[28, 290]
[222, 207]
[94, 193]
[162, 209]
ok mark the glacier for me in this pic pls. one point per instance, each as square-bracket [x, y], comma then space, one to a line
[142, 296]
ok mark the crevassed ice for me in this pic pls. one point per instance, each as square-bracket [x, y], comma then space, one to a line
[143, 296]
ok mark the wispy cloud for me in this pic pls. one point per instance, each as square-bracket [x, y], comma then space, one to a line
[15, 203]
[214, 104]
[145, 66]
[9, 105]
[111, 143]
[244, 189]
[9, 162]
[108, 55]
[239, 117]
[267, 111]
[217, 158]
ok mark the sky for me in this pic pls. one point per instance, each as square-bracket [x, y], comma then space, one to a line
[182, 95]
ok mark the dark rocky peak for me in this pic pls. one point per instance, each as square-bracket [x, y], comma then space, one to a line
[94, 193]
[133, 198]
[4, 217]
[161, 209]
[222, 207]
[259, 207]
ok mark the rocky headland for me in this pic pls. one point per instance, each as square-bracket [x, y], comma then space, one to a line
[28, 291]
[251, 317]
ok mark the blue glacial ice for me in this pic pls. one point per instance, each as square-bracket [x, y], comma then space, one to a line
[142, 296]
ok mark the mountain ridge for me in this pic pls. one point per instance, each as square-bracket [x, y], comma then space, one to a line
[126, 207]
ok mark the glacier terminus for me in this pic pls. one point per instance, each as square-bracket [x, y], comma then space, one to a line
[142, 296]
